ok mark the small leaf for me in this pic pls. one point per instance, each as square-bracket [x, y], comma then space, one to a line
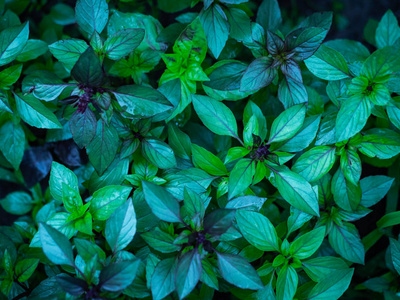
[68, 51]
[13, 142]
[17, 203]
[88, 69]
[332, 286]
[241, 177]
[83, 127]
[60, 175]
[25, 268]
[374, 188]
[307, 244]
[123, 42]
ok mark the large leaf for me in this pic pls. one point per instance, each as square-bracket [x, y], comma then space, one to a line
[215, 115]
[33, 112]
[13, 142]
[346, 194]
[332, 286]
[286, 283]
[315, 163]
[141, 101]
[44, 85]
[346, 241]
[158, 153]
[237, 271]
[352, 117]
[163, 279]
[103, 147]
[107, 199]
[328, 64]
[388, 30]
[122, 43]
[118, 276]
[241, 177]
[121, 227]
[162, 204]
[56, 246]
[382, 143]
[188, 273]
[374, 188]
[258, 74]
[68, 51]
[295, 190]
[258, 230]
[287, 124]
[269, 15]
[12, 42]
[216, 27]
[91, 15]
[88, 69]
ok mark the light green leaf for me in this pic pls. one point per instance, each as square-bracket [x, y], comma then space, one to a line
[32, 50]
[12, 42]
[121, 227]
[286, 284]
[10, 75]
[315, 163]
[308, 243]
[207, 161]
[91, 15]
[346, 194]
[241, 177]
[107, 199]
[287, 124]
[33, 112]
[257, 230]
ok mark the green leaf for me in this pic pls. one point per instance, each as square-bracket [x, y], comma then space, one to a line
[380, 64]
[103, 147]
[179, 142]
[352, 117]
[17, 203]
[91, 15]
[56, 246]
[72, 285]
[207, 161]
[350, 163]
[315, 163]
[292, 92]
[346, 194]
[83, 127]
[121, 227]
[307, 244]
[60, 176]
[395, 254]
[87, 250]
[219, 221]
[237, 271]
[286, 284]
[295, 190]
[44, 85]
[107, 199]
[163, 279]
[258, 74]
[388, 30]
[188, 273]
[269, 15]
[215, 115]
[62, 14]
[304, 42]
[241, 177]
[88, 70]
[118, 276]
[216, 27]
[141, 101]
[374, 188]
[328, 64]
[32, 50]
[25, 268]
[382, 143]
[332, 286]
[226, 75]
[346, 241]
[258, 230]
[160, 241]
[352, 51]
[320, 267]
[162, 204]
[68, 51]
[158, 153]
[10, 75]
[33, 112]
[240, 23]
[13, 143]
[287, 124]
[12, 42]
[122, 43]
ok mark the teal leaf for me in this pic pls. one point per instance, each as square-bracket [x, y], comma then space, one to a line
[307, 244]
[13, 142]
[241, 177]
[122, 43]
[91, 15]
[12, 42]
[118, 276]
[286, 284]
[188, 273]
[374, 188]
[333, 285]
[158, 153]
[163, 279]
[258, 74]
[388, 30]
[68, 51]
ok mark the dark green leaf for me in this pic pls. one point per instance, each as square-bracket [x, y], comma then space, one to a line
[118, 276]
[188, 273]
[258, 74]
